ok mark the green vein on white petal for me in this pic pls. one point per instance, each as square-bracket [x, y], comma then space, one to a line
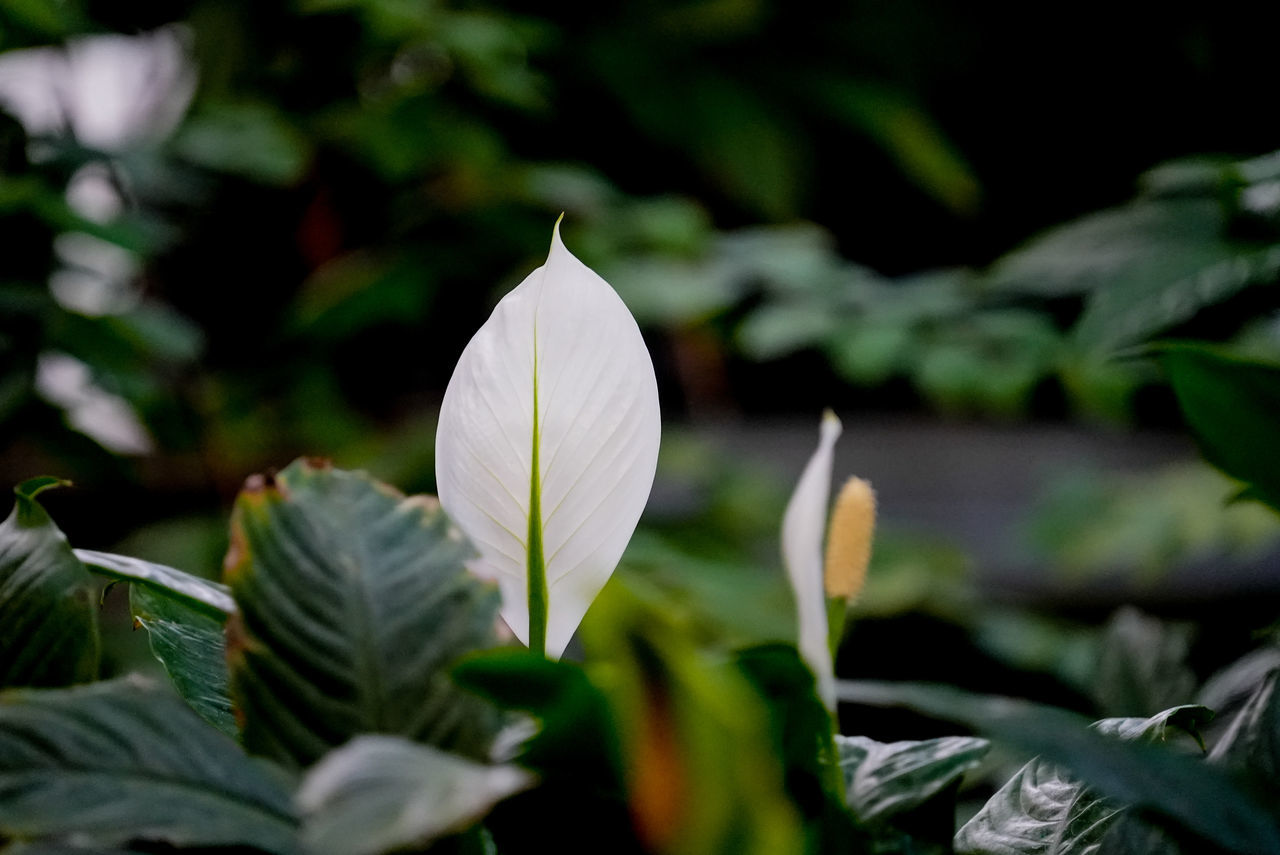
[548, 443]
[802, 529]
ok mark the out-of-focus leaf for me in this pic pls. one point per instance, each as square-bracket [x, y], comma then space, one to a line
[357, 291]
[1141, 247]
[354, 603]
[123, 761]
[1231, 688]
[574, 729]
[48, 618]
[782, 328]
[1142, 665]
[571, 743]
[1178, 791]
[1144, 524]
[1252, 742]
[190, 644]
[53, 20]
[700, 772]
[884, 779]
[382, 793]
[211, 598]
[907, 135]
[800, 723]
[246, 139]
[1042, 809]
[1232, 406]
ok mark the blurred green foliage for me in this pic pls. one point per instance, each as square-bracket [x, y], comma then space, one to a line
[906, 208]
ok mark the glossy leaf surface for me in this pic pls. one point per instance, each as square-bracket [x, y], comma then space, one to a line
[381, 793]
[354, 603]
[121, 761]
[48, 617]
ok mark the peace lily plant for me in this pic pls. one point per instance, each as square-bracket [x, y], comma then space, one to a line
[824, 589]
[344, 692]
[548, 444]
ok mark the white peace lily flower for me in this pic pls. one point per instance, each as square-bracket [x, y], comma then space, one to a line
[822, 597]
[548, 444]
[802, 527]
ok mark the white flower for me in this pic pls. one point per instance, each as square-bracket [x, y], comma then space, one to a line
[548, 443]
[848, 551]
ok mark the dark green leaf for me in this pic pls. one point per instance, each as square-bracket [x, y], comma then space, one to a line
[1043, 809]
[1232, 406]
[1176, 789]
[802, 737]
[354, 604]
[48, 618]
[382, 793]
[120, 761]
[246, 139]
[1252, 742]
[884, 779]
[575, 730]
[1142, 665]
[574, 750]
[200, 594]
[189, 642]
[701, 773]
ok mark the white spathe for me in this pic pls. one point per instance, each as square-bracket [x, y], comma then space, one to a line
[565, 340]
[802, 529]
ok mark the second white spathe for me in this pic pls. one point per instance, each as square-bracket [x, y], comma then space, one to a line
[803, 524]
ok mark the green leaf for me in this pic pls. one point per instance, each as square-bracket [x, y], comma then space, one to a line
[1232, 406]
[382, 793]
[1180, 792]
[1142, 665]
[202, 595]
[575, 731]
[1044, 809]
[885, 779]
[574, 750]
[700, 770]
[48, 617]
[191, 646]
[122, 761]
[354, 603]
[253, 140]
[801, 728]
[1252, 741]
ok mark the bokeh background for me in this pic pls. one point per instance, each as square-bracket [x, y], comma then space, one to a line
[236, 232]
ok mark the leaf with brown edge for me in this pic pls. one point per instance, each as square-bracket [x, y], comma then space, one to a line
[354, 602]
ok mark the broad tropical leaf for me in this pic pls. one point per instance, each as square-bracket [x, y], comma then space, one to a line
[548, 443]
[123, 761]
[201, 594]
[1178, 791]
[883, 779]
[803, 524]
[1043, 809]
[191, 646]
[354, 603]
[381, 793]
[1232, 406]
[48, 617]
